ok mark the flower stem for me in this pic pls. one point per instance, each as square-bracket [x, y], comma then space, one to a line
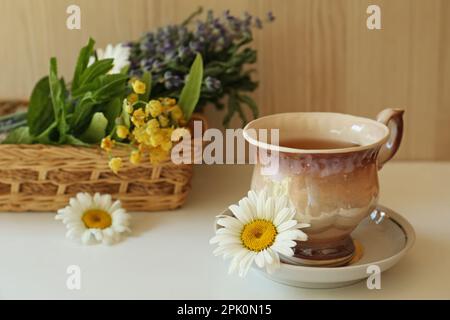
[192, 16]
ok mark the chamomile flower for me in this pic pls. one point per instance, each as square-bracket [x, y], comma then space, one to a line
[120, 53]
[262, 227]
[94, 219]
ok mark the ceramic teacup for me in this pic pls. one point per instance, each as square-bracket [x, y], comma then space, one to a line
[332, 189]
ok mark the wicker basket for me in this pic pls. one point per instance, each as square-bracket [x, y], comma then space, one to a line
[43, 177]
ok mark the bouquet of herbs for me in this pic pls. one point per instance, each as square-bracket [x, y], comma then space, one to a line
[102, 107]
[78, 114]
[222, 42]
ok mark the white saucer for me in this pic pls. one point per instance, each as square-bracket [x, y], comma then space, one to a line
[385, 237]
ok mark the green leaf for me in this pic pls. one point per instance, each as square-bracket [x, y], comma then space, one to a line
[251, 103]
[232, 108]
[83, 60]
[147, 79]
[19, 135]
[112, 111]
[70, 139]
[111, 85]
[40, 113]
[125, 117]
[96, 130]
[103, 88]
[50, 136]
[191, 91]
[125, 69]
[57, 97]
[98, 68]
[82, 112]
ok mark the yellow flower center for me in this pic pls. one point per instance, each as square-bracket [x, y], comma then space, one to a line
[258, 235]
[96, 219]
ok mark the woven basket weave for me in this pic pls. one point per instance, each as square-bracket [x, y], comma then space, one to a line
[43, 177]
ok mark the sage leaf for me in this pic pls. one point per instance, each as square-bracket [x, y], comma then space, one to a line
[98, 68]
[50, 136]
[112, 111]
[40, 113]
[70, 139]
[57, 96]
[190, 93]
[111, 85]
[82, 112]
[96, 130]
[19, 135]
[83, 60]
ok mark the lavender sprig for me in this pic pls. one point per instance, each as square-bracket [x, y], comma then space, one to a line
[223, 42]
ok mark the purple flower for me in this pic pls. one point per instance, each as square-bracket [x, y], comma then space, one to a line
[195, 46]
[157, 66]
[171, 80]
[270, 16]
[212, 84]
[184, 52]
[258, 23]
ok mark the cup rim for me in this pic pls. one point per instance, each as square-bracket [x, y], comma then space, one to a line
[273, 147]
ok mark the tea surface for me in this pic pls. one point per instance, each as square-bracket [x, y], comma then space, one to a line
[314, 144]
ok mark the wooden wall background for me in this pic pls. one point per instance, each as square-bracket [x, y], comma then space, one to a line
[318, 55]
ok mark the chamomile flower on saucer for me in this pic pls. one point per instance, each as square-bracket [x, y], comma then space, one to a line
[262, 227]
[94, 219]
[120, 53]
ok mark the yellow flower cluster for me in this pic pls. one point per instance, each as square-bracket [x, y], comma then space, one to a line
[153, 125]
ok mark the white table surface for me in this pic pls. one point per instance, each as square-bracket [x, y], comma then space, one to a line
[168, 255]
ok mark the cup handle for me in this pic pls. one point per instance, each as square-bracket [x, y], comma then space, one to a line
[393, 119]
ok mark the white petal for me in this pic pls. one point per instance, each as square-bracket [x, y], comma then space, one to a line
[243, 216]
[229, 232]
[283, 249]
[231, 223]
[115, 206]
[84, 200]
[286, 225]
[236, 261]
[275, 261]
[253, 197]
[121, 228]
[303, 225]
[227, 251]
[292, 234]
[301, 236]
[96, 199]
[267, 257]
[281, 203]
[282, 216]
[224, 239]
[105, 202]
[259, 259]
[86, 237]
[75, 207]
[268, 212]
[260, 205]
[248, 207]
[246, 263]
[74, 233]
[97, 234]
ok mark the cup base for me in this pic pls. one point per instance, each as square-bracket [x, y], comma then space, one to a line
[330, 254]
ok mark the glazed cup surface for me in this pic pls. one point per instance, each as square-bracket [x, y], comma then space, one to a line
[331, 189]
